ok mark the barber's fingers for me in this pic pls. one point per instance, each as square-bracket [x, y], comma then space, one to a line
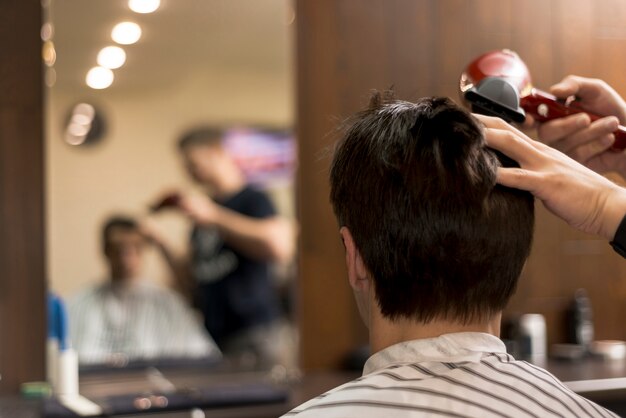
[600, 129]
[582, 87]
[584, 143]
[518, 178]
[554, 130]
[528, 123]
[584, 153]
[569, 86]
[491, 122]
[515, 145]
[496, 123]
[608, 161]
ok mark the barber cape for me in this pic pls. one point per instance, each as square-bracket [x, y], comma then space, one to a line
[454, 375]
[135, 322]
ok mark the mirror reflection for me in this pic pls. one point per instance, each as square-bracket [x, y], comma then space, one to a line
[126, 317]
[172, 234]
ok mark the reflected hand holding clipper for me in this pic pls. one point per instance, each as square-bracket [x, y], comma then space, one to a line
[171, 200]
[498, 83]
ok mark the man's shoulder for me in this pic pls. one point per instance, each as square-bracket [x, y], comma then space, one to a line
[253, 202]
[86, 295]
[84, 304]
[160, 295]
[493, 386]
[246, 194]
[253, 192]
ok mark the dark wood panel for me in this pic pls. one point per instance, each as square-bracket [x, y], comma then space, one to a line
[346, 48]
[363, 51]
[411, 51]
[22, 301]
[574, 45]
[324, 312]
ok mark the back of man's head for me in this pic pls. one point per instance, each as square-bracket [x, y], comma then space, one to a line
[416, 187]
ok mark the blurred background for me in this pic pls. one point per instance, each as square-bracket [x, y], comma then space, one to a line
[299, 67]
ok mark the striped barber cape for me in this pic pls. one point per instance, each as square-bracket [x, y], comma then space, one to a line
[138, 321]
[454, 375]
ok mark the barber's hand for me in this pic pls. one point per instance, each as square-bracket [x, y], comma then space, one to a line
[584, 199]
[149, 228]
[200, 208]
[577, 136]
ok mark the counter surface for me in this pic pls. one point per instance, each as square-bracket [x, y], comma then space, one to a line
[601, 381]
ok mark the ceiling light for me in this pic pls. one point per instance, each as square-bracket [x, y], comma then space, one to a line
[47, 31]
[83, 114]
[144, 6]
[99, 78]
[76, 129]
[49, 53]
[111, 57]
[126, 33]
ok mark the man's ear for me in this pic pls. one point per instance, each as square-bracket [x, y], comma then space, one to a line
[357, 272]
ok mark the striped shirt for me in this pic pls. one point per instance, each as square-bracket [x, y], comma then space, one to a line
[454, 375]
[136, 322]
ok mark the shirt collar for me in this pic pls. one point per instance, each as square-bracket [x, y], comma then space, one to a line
[457, 347]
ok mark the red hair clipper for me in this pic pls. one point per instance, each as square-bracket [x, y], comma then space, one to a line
[498, 83]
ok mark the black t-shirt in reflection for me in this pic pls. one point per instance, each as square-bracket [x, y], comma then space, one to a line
[235, 292]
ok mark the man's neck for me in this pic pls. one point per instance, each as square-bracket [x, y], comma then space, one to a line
[229, 186]
[124, 283]
[385, 333]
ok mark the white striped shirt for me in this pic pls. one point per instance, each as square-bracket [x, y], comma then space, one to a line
[454, 375]
[138, 322]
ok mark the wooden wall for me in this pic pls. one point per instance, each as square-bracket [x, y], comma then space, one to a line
[346, 48]
[22, 320]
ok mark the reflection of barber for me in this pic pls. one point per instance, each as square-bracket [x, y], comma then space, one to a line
[236, 235]
[584, 199]
[577, 136]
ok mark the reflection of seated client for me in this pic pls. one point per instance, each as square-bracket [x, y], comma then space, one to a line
[129, 316]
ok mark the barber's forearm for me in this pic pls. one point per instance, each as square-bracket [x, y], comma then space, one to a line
[268, 239]
[179, 267]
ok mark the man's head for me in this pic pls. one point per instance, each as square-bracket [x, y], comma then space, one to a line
[414, 188]
[123, 246]
[205, 158]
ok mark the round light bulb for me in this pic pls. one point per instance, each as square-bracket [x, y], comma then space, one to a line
[144, 6]
[111, 57]
[126, 33]
[76, 129]
[47, 31]
[49, 53]
[99, 78]
[83, 114]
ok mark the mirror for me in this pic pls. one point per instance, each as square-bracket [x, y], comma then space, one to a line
[209, 68]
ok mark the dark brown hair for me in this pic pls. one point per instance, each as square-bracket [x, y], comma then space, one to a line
[201, 136]
[416, 186]
[125, 223]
